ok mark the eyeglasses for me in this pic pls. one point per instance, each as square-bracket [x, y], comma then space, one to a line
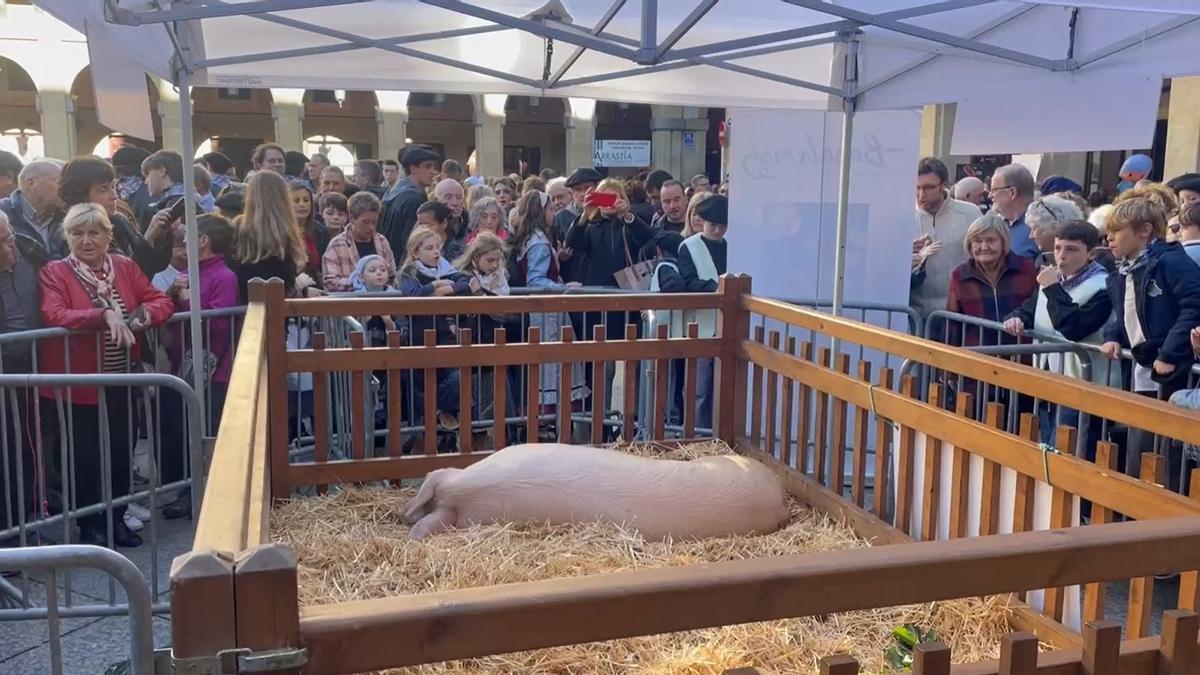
[1053, 216]
[995, 190]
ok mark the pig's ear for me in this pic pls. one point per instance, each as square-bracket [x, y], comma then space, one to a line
[424, 502]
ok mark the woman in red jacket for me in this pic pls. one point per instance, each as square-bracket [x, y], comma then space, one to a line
[105, 299]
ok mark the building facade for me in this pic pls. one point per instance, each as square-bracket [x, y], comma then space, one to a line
[48, 108]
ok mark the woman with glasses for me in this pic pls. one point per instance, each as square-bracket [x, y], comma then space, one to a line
[1045, 216]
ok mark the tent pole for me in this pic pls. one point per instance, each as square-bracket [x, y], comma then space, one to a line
[649, 43]
[193, 269]
[848, 109]
[839, 263]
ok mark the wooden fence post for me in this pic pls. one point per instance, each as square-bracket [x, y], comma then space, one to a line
[733, 326]
[272, 294]
[268, 608]
[202, 605]
[1101, 647]
[839, 664]
[1178, 653]
[931, 658]
[1018, 654]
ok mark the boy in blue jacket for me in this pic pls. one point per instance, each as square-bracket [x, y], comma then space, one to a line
[1156, 300]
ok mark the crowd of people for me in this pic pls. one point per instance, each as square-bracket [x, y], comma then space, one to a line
[99, 247]
[1119, 274]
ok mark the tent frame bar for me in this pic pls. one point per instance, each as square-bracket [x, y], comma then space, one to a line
[682, 29]
[398, 49]
[212, 10]
[609, 15]
[649, 44]
[347, 47]
[822, 28]
[557, 31]
[968, 44]
[654, 57]
[1135, 40]
[978, 32]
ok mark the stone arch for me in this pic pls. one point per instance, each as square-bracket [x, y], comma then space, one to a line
[445, 122]
[534, 134]
[348, 116]
[18, 97]
[622, 121]
[234, 124]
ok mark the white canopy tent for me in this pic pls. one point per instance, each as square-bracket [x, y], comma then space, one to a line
[1039, 75]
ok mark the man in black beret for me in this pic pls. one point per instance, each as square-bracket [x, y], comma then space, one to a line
[702, 260]
[400, 203]
[580, 182]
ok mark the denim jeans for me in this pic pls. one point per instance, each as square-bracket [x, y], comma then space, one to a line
[1071, 417]
[704, 393]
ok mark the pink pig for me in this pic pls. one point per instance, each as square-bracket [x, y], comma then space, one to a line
[557, 483]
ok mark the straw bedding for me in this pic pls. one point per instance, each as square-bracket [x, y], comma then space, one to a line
[351, 546]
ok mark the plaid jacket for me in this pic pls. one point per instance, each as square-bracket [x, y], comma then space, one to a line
[972, 294]
[341, 255]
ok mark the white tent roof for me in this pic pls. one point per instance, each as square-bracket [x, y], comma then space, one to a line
[1031, 70]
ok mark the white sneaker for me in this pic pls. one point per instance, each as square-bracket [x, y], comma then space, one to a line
[140, 512]
[133, 522]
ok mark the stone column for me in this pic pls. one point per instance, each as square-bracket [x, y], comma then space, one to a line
[1183, 127]
[678, 137]
[489, 134]
[937, 132]
[287, 110]
[171, 117]
[580, 121]
[57, 111]
[391, 115]
[1073, 165]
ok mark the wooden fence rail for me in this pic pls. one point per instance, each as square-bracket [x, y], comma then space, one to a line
[1175, 653]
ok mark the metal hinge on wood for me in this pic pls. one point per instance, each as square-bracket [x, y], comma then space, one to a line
[238, 661]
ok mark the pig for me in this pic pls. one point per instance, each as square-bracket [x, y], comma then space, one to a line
[557, 483]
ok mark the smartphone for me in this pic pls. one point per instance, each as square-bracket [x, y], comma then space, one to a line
[177, 210]
[604, 200]
[1046, 259]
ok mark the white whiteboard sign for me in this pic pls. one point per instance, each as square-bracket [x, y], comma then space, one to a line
[783, 194]
[634, 154]
[783, 199]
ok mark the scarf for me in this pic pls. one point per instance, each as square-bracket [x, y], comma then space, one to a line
[495, 283]
[1090, 270]
[99, 285]
[1127, 267]
[127, 185]
[443, 269]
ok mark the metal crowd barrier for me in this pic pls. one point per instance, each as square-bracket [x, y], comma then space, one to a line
[51, 561]
[1117, 373]
[157, 414]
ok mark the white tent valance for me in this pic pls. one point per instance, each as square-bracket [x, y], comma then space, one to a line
[755, 53]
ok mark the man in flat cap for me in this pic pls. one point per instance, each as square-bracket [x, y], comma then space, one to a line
[702, 260]
[580, 181]
[400, 203]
